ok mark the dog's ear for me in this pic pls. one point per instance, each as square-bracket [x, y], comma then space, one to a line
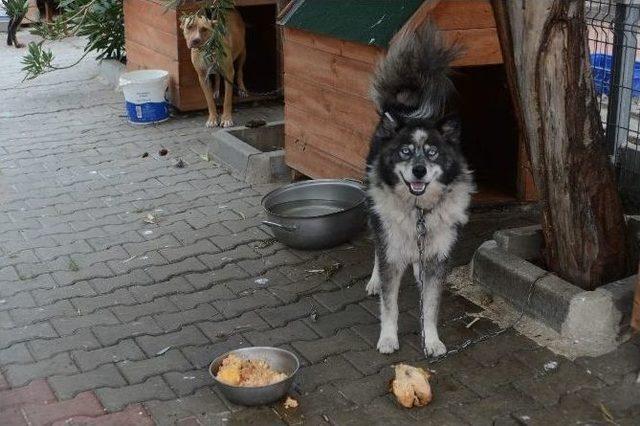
[185, 20]
[388, 124]
[450, 127]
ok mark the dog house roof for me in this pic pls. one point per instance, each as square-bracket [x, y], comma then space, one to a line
[373, 22]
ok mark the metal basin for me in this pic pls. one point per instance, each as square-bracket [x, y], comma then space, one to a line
[316, 214]
[278, 359]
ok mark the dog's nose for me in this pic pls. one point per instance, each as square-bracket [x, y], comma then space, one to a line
[195, 41]
[419, 171]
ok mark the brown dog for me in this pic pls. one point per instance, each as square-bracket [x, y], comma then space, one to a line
[197, 30]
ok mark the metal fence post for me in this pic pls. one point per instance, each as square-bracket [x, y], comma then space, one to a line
[621, 87]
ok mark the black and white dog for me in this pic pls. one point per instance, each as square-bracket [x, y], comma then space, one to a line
[415, 169]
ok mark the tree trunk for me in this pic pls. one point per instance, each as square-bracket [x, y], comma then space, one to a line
[544, 45]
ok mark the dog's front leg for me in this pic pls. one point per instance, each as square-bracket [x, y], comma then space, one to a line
[430, 287]
[373, 286]
[390, 275]
[227, 108]
[216, 86]
[208, 95]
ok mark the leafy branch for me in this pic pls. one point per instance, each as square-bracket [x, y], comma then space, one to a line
[101, 21]
[16, 8]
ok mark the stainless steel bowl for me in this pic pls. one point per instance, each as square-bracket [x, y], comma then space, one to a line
[278, 359]
[316, 214]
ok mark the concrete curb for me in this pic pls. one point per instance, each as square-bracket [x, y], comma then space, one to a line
[502, 266]
[250, 164]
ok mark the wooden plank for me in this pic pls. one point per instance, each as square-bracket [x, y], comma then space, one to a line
[348, 49]
[482, 46]
[331, 105]
[463, 14]
[152, 13]
[153, 38]
[343, 74]
[324, 165]
[339, 141]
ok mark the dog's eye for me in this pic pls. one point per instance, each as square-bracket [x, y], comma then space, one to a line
[432, 153]
[405, 152]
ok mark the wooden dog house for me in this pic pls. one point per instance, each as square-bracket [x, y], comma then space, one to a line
[330, 51]
[154, 39]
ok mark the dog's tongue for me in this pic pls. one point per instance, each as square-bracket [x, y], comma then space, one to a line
[418, 186]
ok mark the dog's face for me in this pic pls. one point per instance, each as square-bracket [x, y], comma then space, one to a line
[419, 153]
[197, 30]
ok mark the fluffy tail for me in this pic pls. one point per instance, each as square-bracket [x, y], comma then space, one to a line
[413, 80]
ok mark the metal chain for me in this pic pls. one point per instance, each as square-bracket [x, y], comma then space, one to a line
[215, 67]
[421, 231]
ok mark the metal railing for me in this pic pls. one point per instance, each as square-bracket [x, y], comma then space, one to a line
[613, 28]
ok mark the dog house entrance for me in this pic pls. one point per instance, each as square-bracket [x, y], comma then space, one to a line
[490, 135]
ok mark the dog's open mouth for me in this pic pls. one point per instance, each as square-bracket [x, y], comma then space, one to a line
[416, 187]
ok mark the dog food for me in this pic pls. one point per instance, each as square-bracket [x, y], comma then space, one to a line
[236, 371]
[411, 386]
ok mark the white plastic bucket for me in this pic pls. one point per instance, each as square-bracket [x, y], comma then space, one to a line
[144, 94]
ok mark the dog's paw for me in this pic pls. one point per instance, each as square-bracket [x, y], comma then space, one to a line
[226, 122]
[243, 93]
[434, 348]
[388, 344]
[19, 45]
[373, 287]
[212, 122]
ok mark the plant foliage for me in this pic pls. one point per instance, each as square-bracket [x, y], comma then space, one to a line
[15, 8]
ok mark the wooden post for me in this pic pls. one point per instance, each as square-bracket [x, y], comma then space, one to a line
[547, 62]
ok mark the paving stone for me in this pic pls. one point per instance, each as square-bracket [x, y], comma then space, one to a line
[145, 261]
[66, 278]
[131, 312]
[614, 365]
[190, 265]
[66, 326]
[85, 404]
[205, 405]
[571, 410]
[14, 335]
[187, 336]
[324, 400]
[327, 325]
[500, 404]
[363, 391]
[112, 334]
[21, 374]
[296, 330]
[371, 361]
[218, 260]
[343, 341]
[9, 288]
[16, 354]
[24, 316]
[91, 304]
[337, 300]
[486, 380]
[20, 300]
[133, 415]
[187, 382]
[138, 371]
[206, 280]
[149, 292]
[217, 330]
[191, 300]
[83, 339]
[177, 254]
[281, 315]
[115, 399]
[233, 307]
[36, 392]
[201, 356]
[621, 399]
[107, 285]
[68, 386]
[174, 321]
[331, 369]
[126, 350]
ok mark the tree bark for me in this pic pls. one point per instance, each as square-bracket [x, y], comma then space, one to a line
[544, 45]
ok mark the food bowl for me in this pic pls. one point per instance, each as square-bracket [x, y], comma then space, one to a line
[278, 359]
[316, 214]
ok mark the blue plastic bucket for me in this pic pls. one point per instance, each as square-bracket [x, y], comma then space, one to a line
[144, 94]
[601, 65]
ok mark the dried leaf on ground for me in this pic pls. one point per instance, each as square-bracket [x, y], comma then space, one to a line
[150, 218]
[290, 403]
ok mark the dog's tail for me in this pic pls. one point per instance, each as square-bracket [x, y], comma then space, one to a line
[413, 81]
